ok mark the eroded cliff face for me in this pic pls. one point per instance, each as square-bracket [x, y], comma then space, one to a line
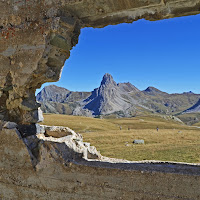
[36, 38]
[35, 43]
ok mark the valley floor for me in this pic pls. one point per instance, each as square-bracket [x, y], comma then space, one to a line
[114, 137]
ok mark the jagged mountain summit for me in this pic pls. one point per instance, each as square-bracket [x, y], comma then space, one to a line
[57, 94]
[110, 97]
[53, 93]
[56, 99]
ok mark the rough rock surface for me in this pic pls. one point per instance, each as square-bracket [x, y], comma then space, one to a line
[194, 109]
[108, 98]
[60, 95]
[37, 36]
[154, 91]
[53, 93]
[40, 167]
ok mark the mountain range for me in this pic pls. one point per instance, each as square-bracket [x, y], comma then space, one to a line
[122, 99]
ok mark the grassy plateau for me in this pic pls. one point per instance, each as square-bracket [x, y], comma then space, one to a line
[114, 137]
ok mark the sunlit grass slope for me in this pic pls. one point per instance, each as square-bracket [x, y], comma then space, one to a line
[79, 124]
[190, 118]
[173, 141]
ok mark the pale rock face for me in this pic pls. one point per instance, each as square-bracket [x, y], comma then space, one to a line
[72, 140]
[79, 111]
[33, 51]
[108, 98]
[53, 93]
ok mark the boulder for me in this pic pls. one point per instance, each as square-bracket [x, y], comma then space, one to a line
[138, 141]
[10, 125]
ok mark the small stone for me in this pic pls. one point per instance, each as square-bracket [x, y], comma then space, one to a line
[57, 131]
[60, 42]
[12, 62]
[86, 144]
[40, 115]
[138, 141]
[10, 125]
[21, 65]
[40, 129]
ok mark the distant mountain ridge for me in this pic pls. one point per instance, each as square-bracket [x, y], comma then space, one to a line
[121, 99]
[53, 93]
[60, 95]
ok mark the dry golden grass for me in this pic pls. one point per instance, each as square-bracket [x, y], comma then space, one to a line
[77, 123]
[173, 141]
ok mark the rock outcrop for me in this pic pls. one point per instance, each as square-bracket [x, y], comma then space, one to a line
[154, 91]
[194, 109]
[128, 87]
[53, 93]
[37, 36]
[108, 98]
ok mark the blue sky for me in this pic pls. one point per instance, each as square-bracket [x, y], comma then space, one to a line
[164, 54]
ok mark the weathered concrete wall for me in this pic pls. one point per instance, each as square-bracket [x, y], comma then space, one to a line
[62, 173]
[36, 37]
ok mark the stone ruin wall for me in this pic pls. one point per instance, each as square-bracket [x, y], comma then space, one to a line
[36, 37]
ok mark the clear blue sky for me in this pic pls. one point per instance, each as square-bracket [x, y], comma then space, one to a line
[164, 54]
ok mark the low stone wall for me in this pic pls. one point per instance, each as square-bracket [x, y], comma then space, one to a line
[57, 168]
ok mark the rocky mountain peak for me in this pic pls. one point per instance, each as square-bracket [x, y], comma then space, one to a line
[128, 87]
[52, 93]
[108, 80]
[108, 98]
[154, 91]
[151, 89]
